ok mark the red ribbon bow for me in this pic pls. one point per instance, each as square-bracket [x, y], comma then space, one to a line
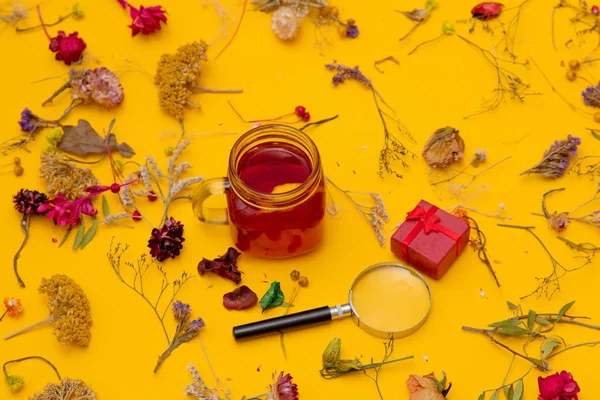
[429, 222]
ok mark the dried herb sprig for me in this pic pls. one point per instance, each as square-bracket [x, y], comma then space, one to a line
[509, 31]
[161, 304]
[376, 215]
[473, 176]
[534, 328]
[556, 159]
[550, 284]
[76, 13]
[582, 16]
[507, 82]
[15, 382]
[393, 149]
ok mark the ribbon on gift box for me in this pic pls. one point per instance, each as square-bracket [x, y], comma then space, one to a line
[429, 222]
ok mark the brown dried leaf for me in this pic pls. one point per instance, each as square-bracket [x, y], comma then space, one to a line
[444, 147]
[82, 140]
[417, 15]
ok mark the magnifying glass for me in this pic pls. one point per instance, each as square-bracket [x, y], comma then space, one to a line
[387, 300]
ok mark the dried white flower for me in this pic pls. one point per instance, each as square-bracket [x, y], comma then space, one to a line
[285, 23]
[152, 162]
[180, 168]
[114, 217]
[179, 186]
[145, 175]
[176, 153]
[125, 192]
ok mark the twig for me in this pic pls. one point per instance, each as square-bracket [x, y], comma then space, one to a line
[487, 333]
[319, 122]
[237, 28]
[211, 90]
[25, 228]
[60, 19]
[390, 58]
[425, 42]
[473, 177]
[481, 250]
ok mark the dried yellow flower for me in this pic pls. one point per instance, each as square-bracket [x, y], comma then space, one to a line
[69, 311]
[68, 389]
[64, 177]
[176, 74]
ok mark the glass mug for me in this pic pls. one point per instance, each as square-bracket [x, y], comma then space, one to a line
[275, 193]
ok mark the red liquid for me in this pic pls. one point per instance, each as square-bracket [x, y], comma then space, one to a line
[276, 233]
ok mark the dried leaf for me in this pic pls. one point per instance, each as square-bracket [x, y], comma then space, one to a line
[417, 15]
[444, 147]
[508, 392]
[512, 306]
[548, 347]
[273, 298]
[82, 140]
[224, 266]
[481, 396]
[542, 321]
[65, 237]
[496, 395]
[240, 299]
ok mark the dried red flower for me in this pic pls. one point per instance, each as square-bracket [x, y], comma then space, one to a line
[596, 10]
[27, 202]
[145, 19]
[560, 386]
[64, 213]
[224, 266]
[167, 241]
[486, 11]
[68, 49]
[283, 388]
[240, 299]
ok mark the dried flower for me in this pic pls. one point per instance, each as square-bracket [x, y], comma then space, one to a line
[303, 281]
[427, 387]
[591, 96]
[145, 19]
[99, 85]
[480, 157]
[283, 388]
[224, 266]
[67, 389]
[486, 11]
[295, 275]
[181, 311]
[68, 49]
[28, 121]
[285, 22]
[595, 10]
[13, 306]
[198, 388]
[559, 221]
[344, 73]
[241, 298]
[176, 75]
[560, 386]
[351, 29]
[448, 28]
[14, 382]
[69, 311]
[167, 241]
[65, 178]
[27, 201]
[557, 158]
[331, 355]
[444, 147]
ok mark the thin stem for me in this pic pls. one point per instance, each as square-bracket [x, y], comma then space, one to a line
[211, 90]
[237, 28]
[415, 26]
[590, 344]
[30, 327]
[544, 209]
[425, 42]
[31, 358]
[3, 315]
[319, 122]
[482, 253]
[25, 228]
[61, 89]
[513, 382]
[163, 357]
[39, 13]
[60, 19]
[516, 226]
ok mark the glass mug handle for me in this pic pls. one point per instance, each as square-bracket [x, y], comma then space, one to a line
[206, 189]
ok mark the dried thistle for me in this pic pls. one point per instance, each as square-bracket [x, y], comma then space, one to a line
[556, 159]
[393, 149]
[69, 311]
[64, 177]
[376, 215]
[444, 147]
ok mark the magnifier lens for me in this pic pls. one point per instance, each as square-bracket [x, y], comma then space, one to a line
[390, 298]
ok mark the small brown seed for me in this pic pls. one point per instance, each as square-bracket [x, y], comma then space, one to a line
[571, 75]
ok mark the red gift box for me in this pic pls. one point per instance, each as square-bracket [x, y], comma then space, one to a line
[430, 239]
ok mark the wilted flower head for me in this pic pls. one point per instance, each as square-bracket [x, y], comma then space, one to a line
[285, 22]
[13, 306]
[559, 221]
[351, 29]
[427, 387]
[145, 19]
[68, 49]
[591, 95]
[28, 121]
[198, 388]
[14, 382]
[332, 353]
[77, 11]
[167, 241]
[479, 158]
[557, 158]
[27, 201]
[176, 74]
[67, 213]
[67, 389]
[65, 178]
[181, 310]
[560, 386]
[444, 147]
[283, 388]
[99, 85]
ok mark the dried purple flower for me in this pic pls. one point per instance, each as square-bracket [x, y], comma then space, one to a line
[344, 72]
[181, 310]
[557, 158]
[591, 95]
[182, 335]
[28, 121]
[28, 201]
[167, 241]
[352, 30]
[194, 326]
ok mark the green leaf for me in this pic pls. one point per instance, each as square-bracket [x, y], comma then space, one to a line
[273, 298]
[542, 321]
[595, 134]
[512, 306]
[79, 236]
[508, 323]
[65, 237]
[89, 235]
[537, 362]
[508, 392]
[548, 347]
[564, 310]
[518, 393]
[481, 396]
[531, 319]
[513, 331]
[105, 208]
[495, 395]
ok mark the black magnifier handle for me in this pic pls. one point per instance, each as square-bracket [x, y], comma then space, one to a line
[289, 322]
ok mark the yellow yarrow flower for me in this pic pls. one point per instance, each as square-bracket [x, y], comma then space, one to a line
[14, 382]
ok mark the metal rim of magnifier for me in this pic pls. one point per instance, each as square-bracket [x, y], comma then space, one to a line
[389, 334]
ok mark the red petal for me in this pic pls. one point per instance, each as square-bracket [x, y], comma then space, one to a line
[240, 299]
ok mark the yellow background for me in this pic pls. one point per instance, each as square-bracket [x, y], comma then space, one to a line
[435, 87]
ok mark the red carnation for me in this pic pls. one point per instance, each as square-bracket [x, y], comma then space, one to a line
[68, 48]
[486, 11]
[558, 387]
[145, 19]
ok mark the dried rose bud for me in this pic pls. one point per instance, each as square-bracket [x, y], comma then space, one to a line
[444, 147]
[303, 281]
[295, 275]
[331, 355]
